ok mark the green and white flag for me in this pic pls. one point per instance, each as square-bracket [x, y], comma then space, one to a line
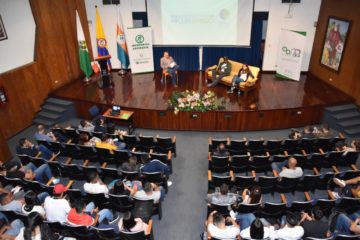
[85, 63]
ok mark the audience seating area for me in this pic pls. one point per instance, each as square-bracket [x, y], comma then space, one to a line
[249, 164]
[65, 164]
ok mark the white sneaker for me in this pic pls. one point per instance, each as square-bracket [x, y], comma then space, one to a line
[336, 195]
[339, 182]
[169, 183]
[56, 181]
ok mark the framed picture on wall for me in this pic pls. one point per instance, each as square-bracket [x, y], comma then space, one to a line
[337, 31]
[3, 34]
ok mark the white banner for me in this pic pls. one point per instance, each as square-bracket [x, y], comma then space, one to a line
[290, 54]
[140, 47]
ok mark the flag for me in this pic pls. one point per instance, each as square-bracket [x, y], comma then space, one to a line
[122, 51]
[100, 39]
[85, 63]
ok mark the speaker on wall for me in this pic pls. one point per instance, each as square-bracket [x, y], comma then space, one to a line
[290, 1]
[109, 2]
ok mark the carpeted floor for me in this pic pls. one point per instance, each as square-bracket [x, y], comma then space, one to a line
[184, 207]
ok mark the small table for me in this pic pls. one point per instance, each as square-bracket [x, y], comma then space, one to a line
[124, 116]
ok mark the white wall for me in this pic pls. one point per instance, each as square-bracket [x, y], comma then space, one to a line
[138, 5]
[19, 24]
[262, 5]
[301, 18]
[108, 15]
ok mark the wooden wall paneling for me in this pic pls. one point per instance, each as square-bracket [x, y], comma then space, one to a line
[5, 154]
[347, 79]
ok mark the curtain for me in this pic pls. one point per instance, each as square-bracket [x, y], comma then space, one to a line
[186, 57]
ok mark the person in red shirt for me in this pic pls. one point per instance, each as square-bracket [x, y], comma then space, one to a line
[83, 215]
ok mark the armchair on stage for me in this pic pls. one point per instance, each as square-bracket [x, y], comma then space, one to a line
[249, 85]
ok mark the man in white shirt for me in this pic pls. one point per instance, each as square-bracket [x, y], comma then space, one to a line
[95, 184]
[56, 207]
[292, 171]
[168, 64]
[217, 228]
[291, 230]
[150, 191]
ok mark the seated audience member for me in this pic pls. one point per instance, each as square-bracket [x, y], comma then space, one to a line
[221, 151]
[121, 188]
[83, 215]
[154, 165]
[36, 229]
[291, 230]
[308, 132]
[95, 184]
[222, 70]
[14, 169]
[295, 134]
[168, 65]
[86, 126]
[313, 225]
[354, 146]
[149, 191]
[8, 202]
[17, 191]
[25, 147]
[217, 227]
[130, 165]
[100, 126]
[10, 229]
[56, 206]
[50, 136]
[324, 131]
[109, 143]
[223, 196]
[346, 224]
[130, 224]
[292, 171]
[84, 139]
[242, 76]
[257, 231]
[348, 188]
[33, 203]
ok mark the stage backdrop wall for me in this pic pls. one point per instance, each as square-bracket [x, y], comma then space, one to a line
[347, 78]
[186, 57]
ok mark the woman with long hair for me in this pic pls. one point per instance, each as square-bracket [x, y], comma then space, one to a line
[130, 224]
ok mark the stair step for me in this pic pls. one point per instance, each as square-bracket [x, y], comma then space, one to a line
[48, 115]
[44, 122]
[346, 115]
[53, 108]
[350, 123]
[353, 131]
[59, 102]
[341, 108]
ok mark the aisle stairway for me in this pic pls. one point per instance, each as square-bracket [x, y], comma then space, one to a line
[344, 118]
[54, 111]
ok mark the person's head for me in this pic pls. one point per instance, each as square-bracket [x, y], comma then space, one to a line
[224, 189]
[128, 221]
[40, 128]
[100, 122]
[93, 176]
[292, 162]
[119, 188]
[166, 54]
[83, 138]
[325, 127]
[83, 123]
[132, 161]
[226, 59]
[317, 213]
[30, 200]
[34, 220]
[245, 67]
[291, 219]
[145, 158]
[79, 205]
[255, 194]
[218, 220]
[5, 198]
[104, 137]
[221, 148]
[23, 142]
[257, 229]
[59, 190]
[147, 187]
[356, 145]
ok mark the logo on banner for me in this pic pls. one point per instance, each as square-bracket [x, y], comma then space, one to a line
[291, 52]
[139, 38]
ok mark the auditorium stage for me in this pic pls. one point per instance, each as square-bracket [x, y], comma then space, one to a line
[275, 104]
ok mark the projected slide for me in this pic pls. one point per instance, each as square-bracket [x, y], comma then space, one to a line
[207, 21]
[201, 22]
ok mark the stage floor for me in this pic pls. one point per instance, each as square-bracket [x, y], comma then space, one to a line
[275, 104]
[147, 91]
